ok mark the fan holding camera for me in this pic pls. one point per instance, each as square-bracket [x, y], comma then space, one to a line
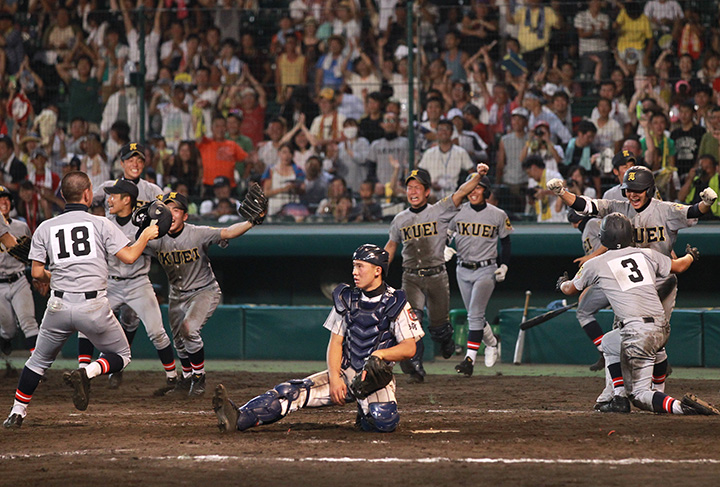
[540, 144]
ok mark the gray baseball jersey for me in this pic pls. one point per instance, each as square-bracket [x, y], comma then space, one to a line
[117, 268]
[4, 226]
[184, 256]
[627, 277]
[147, 191]
[380, 152]
[9, 265]
[423, 233]
[614, 193]
[477, 232]
[591, 236]
[76, 246]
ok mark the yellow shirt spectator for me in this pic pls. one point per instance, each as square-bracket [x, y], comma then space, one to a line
[632, 33]
[534, 26]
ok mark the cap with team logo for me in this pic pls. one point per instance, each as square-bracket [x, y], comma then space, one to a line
[132, 149]
[122, 186]
[624, 157]
[421, 176]
[179, 199]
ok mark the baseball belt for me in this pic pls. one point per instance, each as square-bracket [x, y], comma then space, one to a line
[88, 294]
[478, 264]
[646, 319]
[118, 278]
[425, 272]
[11, 279]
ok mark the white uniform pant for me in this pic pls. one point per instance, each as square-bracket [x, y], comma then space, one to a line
[16, 303]
[139, 296]
[188, 312]
[640, 343]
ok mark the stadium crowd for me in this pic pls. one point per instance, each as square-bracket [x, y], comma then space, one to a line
[311, 98]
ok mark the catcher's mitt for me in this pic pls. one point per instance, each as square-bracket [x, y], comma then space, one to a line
[254, 207]
[375, 375]
[155, 212]
[21, 250]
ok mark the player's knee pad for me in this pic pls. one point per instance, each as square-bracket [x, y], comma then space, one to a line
[441, 333]
[382, 417]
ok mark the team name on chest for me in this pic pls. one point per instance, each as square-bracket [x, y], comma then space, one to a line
[649, 234]
[469, 229]
[177, 257]
[587, 246]
[419, 230]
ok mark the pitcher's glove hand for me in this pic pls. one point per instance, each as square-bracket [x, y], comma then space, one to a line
[254, 207]
[693, 251]
[708, 196]
[375, 375]
[21, 250]
[560, 280]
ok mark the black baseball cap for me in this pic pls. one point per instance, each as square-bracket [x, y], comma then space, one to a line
[132, 149]
[624, 157]
[122, 186]
[179, 199]
[220, 181]
[421, 176]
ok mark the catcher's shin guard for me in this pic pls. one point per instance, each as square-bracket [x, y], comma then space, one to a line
[268, 408]
[414, 366]
[383, 417]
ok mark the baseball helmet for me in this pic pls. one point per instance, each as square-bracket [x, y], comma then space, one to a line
[156, 212]
[4, 192]
[616, 231]
[373, 254]
[638, 179]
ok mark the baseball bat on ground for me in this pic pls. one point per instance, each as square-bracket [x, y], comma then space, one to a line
[520, 343]
[539, 320]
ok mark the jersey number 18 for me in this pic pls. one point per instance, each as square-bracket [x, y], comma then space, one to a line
[73, 242]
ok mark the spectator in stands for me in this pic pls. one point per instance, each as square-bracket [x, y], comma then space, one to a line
[253, 102]
[540, 144]
[316, 184]
[72, 144]
[535, 23]
[29, 205]
[118, 137]
[346, 26]
[468, 139]
[205, 97]
[175, 113]
[618, 109]
[234, 122]
[509, 170]
[115, 54]
[533, 101]
[428, 129]
[609, 133]
[579, 183]
[371, 124]
[152, 42]
[94, 162]
[221, 192]
[337, 189]
[303, 142]
[593, 31]
[353, 153]
[348, 105]
[664, 15]
[635, 39]
[327, 127]
[703, 175]
[560, 106]
[447, 163]
[330, 67]
[174, 51]
[580, 150]
[84, 89]
[383, 150]
[46, 182]
[479, 27]
[122, 105]
[344, 210]
[500, 107]
[11, 42]
[60, 37]
[219, 155]
[283, 181]
[368, 210]
[12, 169]
[228, 63]
[291, 69]
[687, 137]
[454, 57]
[268, 150]
[547, 207]
[186, 168]
[658, 148]
[365, 79]
[210, 48]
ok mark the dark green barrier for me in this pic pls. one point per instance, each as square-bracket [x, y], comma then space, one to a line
[285, 333]
[711, 337]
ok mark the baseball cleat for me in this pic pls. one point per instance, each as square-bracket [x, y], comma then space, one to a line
[170, 385]
[78, 380]
[5, 346]
[447, 348]
[465, 367]
[181, 388]
[115, 379]
[14, 421]
[691, 405]
[599, 365]
[491, 355]
[225, 410]
[197, 386]
[618, 404]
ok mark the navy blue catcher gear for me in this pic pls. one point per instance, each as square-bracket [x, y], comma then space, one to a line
[616, 231]
[638, 179]
[267, 408]
[373, 254]
[383, 417]
[367, 323]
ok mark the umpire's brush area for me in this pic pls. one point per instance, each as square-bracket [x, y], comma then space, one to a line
[510, 425]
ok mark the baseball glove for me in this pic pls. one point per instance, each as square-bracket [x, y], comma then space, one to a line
[560, 280]
[375, 375]
[254, 207]
[21, 250]
[694, 252]
[155, 212]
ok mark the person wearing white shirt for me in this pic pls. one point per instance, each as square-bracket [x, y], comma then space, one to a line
[152, 42]
[445, 162]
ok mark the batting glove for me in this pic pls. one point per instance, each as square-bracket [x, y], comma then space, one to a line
[448, 253]
[556, 186]
[708, 196]
[500, 273]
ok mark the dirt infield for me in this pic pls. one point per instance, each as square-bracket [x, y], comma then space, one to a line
[488, 430]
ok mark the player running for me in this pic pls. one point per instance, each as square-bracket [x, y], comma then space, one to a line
[371, 323]
[477, 228]
[76, 246]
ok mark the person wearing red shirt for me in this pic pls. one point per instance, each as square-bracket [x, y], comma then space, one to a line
[219, 155]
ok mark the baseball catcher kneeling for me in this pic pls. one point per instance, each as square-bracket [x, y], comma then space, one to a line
[372, 326]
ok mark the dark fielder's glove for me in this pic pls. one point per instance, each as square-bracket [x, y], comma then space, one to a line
[21, 250]
[693, 251]
[375, 375]
[560, 280]
[254, 207]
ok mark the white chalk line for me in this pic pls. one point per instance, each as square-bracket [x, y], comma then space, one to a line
[386, 460]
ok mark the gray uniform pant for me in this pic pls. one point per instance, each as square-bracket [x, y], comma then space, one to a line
[16, 303]
[73, 312]
[430, 291]
[188, 312]
[476, 287]
[139, 296]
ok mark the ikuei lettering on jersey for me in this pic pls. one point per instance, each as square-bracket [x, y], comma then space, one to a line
[419, 230]
[645, 235]
[177, 257]
[470, 229]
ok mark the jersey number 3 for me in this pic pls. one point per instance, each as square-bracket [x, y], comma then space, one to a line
[73, 242]
[630, 271]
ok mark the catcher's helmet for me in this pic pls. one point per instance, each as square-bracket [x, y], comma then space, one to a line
[616, 231]
[638, 179]
[155, 212]
[4, 192]
[373, 254]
